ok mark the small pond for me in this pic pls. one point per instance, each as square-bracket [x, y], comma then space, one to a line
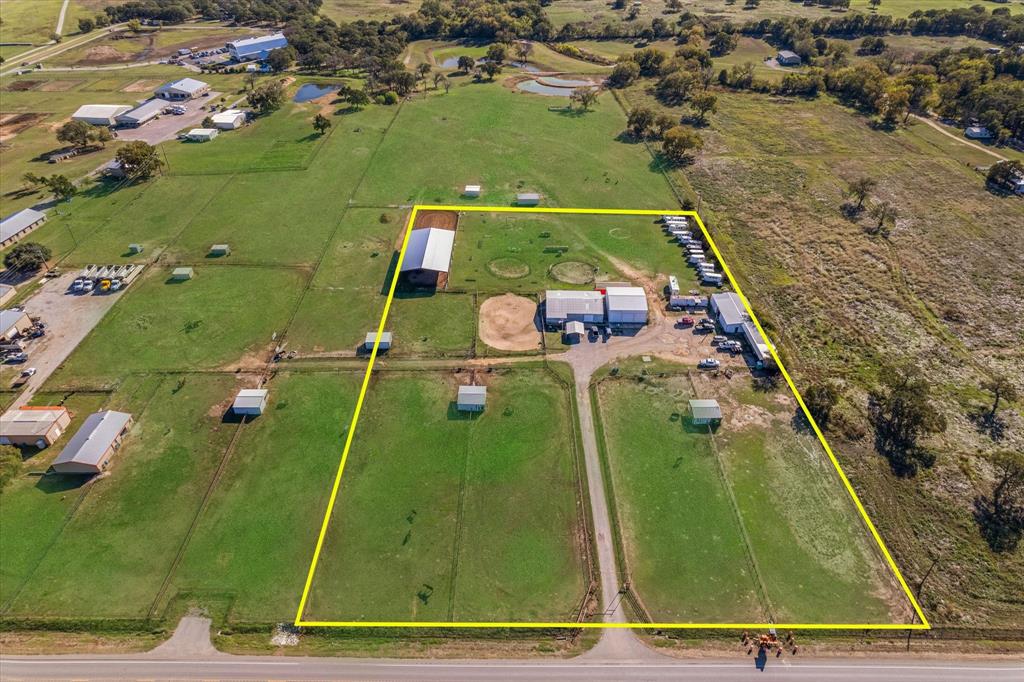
[538, 88]
[563, 82]
[311, 91]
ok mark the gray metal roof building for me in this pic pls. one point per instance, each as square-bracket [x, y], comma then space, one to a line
[18, 224]
[429, 249]
[562, 305]
[90, 449]
[258, 47]
[183, 88]
[705, 411]
[626, 305]
[250, 401]
[472, 398]
[142, 113]
[385, 340]
[730, 311]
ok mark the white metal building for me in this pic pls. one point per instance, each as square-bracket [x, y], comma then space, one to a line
[385, 341]
[472, 398]
[181, 274]
[471, 191]
[561, 306]
[257, 48]
[18, 224]
[626, 305]
[143, 113]
[89, 451]
[99, 114]
[429, 249]
[757, 344]
[182, 89]
[705, 411]
[250, 401]
[527, 199]
[202, 134]
[229, 120]
[12, 323]
[730, 311]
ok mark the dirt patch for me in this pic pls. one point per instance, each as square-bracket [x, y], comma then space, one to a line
[103, 54]
[12, 124]
[573, 272]
[508, 268]
[508, 322]
[21, 86]
[59, 86]
[142, 85]
[446, 220]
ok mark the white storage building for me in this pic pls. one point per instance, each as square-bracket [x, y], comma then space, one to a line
[429, 249]
[202, 134]
[257, 48]
[561, 306]
[182, 89]
[18, 224]
[143, 113]
[729, 309]
[626, 305]
[251, 401]
[385, 341]
[229, 120]
[472, 398]
[99, 114]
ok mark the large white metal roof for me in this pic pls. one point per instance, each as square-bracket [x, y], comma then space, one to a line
[16, 222]
[729, 307]
[429, 249]
[94, 437]
[626, 299]
[561, 303]
[100, 111]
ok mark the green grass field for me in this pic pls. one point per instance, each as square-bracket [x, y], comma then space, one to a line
[756, 512]
[445, 517]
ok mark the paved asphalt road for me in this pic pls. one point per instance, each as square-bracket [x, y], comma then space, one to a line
[276, 668]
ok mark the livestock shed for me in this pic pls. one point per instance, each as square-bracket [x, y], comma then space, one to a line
[729, 309]
[182, 89]
[788, 58]
[18, 224]
[36, 426]
[220, 250]
[141, 114]
[229, 120]
[99, 114]
[91, 448]
[626, 305]
[705, 412]
[472, 398]
[256, 48]
[182, 274]
[135, 248]
[371, 337]
[527, 199]
[562, 306]
[13, 323]
[251, 401]
[429, 249]
[202, 134]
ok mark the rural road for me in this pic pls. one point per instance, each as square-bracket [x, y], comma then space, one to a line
[962, 141]
[60, 18]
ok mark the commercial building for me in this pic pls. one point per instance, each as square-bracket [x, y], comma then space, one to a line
[36, 426]
[251, 401]
[430, 249]
[472, 398]
[626, 305]
[18, 224]
[257, 48]
[231, 119]
[562, 306]
[729, 309]
[13, 323]
[202, 134]
[99, 114]
[141, 114]
[705, 412]
[182, 89]
[91, 448]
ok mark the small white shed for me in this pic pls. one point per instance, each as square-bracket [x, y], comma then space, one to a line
[182, 274]
[472, 398]
[472, 191]
[202, 134]
[229, 120]
[385, 341]
[705, 411]
[250, 401]
[135, 248]
[220, 250]
[527, 199]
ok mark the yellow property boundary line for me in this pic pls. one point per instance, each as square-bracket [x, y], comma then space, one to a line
[923, 625]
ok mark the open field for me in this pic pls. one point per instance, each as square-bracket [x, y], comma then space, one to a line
[756, 510]
[147, 46]
[367, 10]
[446, 516]
[28, 21]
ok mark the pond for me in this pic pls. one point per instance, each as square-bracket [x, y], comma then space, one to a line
[311, 91]
[562, 82]
[538, 88]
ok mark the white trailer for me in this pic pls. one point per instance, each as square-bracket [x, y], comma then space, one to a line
[673, 285]
[695, 258]
[712, 278]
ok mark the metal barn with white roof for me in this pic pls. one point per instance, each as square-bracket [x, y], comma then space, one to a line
[472, 398]
[99, 114]
[89, 451]
[143, 113]
[705, 412]
[730, 311]
[18, 224]
[182, 89]
[229, 120]
[251, 401]
[562, 306]
[258, 47]
[626, 305]
[429, 248]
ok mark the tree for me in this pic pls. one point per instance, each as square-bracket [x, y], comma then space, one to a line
[903, 413]
[103, 136]
[134, 25]
[678, 143]
[675, 88]
[208, 122]
[139, 160]
[895, 104]
[885, 213]
[623, 74]
[422, 71]
[663, 123]
[585, 96]
[74, 132]
[10, 464]
[438, 79]
[497, 53]
[874, 4]
[26, 257]
[61, 187]
[490, 69]
[639, 122]
[1000, 514]
[1001, 389]
[860, 189]
[1003, 173]
[466, 63]
[524, 49]
[281, 59]
[85, 25]
[321, 123]
[820, 399]
[704, 103]
[267, 98]
[357, 99]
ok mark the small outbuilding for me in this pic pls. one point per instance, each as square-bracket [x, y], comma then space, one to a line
[527, 199]
[182, 274]
[91, 448]
[36, 426]
[250, 401]
[626, 305]
[99, 114]
[13, 323]
[7, 292]
[575, 330]
[220, 250]
[18, 224]
[978, 133]
[182, 89]
[705, 412]
[229, 120]
[135, 248]
[202, 134]
[788, 58]
[472, 398]
[371, 337]
[472, 191]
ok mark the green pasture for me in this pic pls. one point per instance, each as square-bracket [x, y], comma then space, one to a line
[432, 323]
[443, 516]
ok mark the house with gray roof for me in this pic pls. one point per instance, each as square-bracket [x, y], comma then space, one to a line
[18, 224]
[91, 448]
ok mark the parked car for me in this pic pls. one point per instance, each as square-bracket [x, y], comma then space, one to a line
[709, 363]
[77, 284]
[719, 339]
[16, 358]
[685, 322]
[28, 372]
[88, 285]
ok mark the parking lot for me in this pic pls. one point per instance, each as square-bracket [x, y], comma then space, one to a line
[68, 318]
[167, 126]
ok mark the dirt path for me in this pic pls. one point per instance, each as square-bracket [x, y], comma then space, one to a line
[962, 141]
[60, 17]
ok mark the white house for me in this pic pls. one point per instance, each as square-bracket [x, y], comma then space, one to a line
[202, 134]
[472, 398]
[99, 114]
[229, 120]
[257, 48]
[562, 306]
[626, 305]
[182, 89]
[251, 401]
[18, 224]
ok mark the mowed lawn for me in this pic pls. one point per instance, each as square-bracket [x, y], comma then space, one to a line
[431, 324]
[442, 516]
[510, 142]
[256, 539]
[219, 317]
[122, 538]
[752, 523]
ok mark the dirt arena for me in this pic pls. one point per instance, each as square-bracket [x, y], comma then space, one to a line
[446, 220]
[508, 322]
